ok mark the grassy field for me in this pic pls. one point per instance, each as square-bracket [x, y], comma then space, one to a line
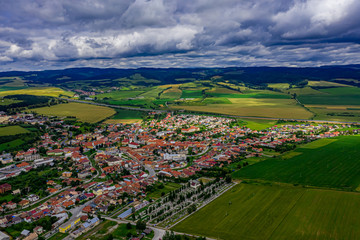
[169, 186]
[172, 92]
[255, 107]
[125, 116]
[192, 94]
[39, 91]
[280, 86]
[325, 84]
[83, 112]
[118, 95]
[6, 101]
[333, 96]
[123, 121]
[258, 124]
[330, 163]
[336, 112]
[12, 130]
[275, 212]
[251, 95]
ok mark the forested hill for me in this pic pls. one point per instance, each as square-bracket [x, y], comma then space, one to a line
[251, 75]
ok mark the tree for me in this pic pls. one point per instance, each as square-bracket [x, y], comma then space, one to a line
[109, 237]
[140, 225]
[128, 226]
[228, 178]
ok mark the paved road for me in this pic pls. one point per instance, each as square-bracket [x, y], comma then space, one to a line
[150, 169]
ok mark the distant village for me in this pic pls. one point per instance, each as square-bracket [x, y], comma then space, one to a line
[111, 170]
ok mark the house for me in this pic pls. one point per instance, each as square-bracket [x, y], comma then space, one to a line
[6, 158]
[33, 198]
[4, 188]
[24, 203]
[23, 165]
[15, 192]
[11, 205]
[66, 174]
[87, 209]
[31, 236]
[68, 203]
[4, 236]
[25, 232]
[67, 226]
[134, 145]
[190, 130]
[195, 184]
[38, 229]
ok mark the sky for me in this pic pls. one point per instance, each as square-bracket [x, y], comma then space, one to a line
[56, 34]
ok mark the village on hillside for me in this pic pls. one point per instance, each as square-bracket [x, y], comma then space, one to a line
[158, 171]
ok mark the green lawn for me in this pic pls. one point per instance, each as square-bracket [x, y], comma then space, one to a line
[323, 163]
[169, 186]
[274, 212]
[258, 124]
[12, 130]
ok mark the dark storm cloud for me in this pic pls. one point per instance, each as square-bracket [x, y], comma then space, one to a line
[167, 33]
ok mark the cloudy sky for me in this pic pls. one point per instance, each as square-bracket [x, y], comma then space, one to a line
[52, 34]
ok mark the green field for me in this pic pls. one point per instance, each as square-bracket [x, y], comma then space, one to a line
[119, 95]
[333, 96]
[274, 212]
[7, 101]
[83, 112]
[323, 163]
[255, 107]
[127, 114]
[258, 124]
[152, 93]
[12, 130]
[250, 95]
[169, 186]
[191, 94]
[39, 91]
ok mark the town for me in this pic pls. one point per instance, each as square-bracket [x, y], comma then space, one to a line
[152, 174]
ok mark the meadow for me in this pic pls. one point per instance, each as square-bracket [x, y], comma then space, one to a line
[333, 96]
[153, 93]
[119, 95]
[277, 212]
[255, 107]
[125, 116]
[12, 130]
[335, 112]
[258, 124]
[39, 91]
[192, 94]
[172, 92]
[328, 163]
[6, 101]
[168, 187]
[83, 112]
